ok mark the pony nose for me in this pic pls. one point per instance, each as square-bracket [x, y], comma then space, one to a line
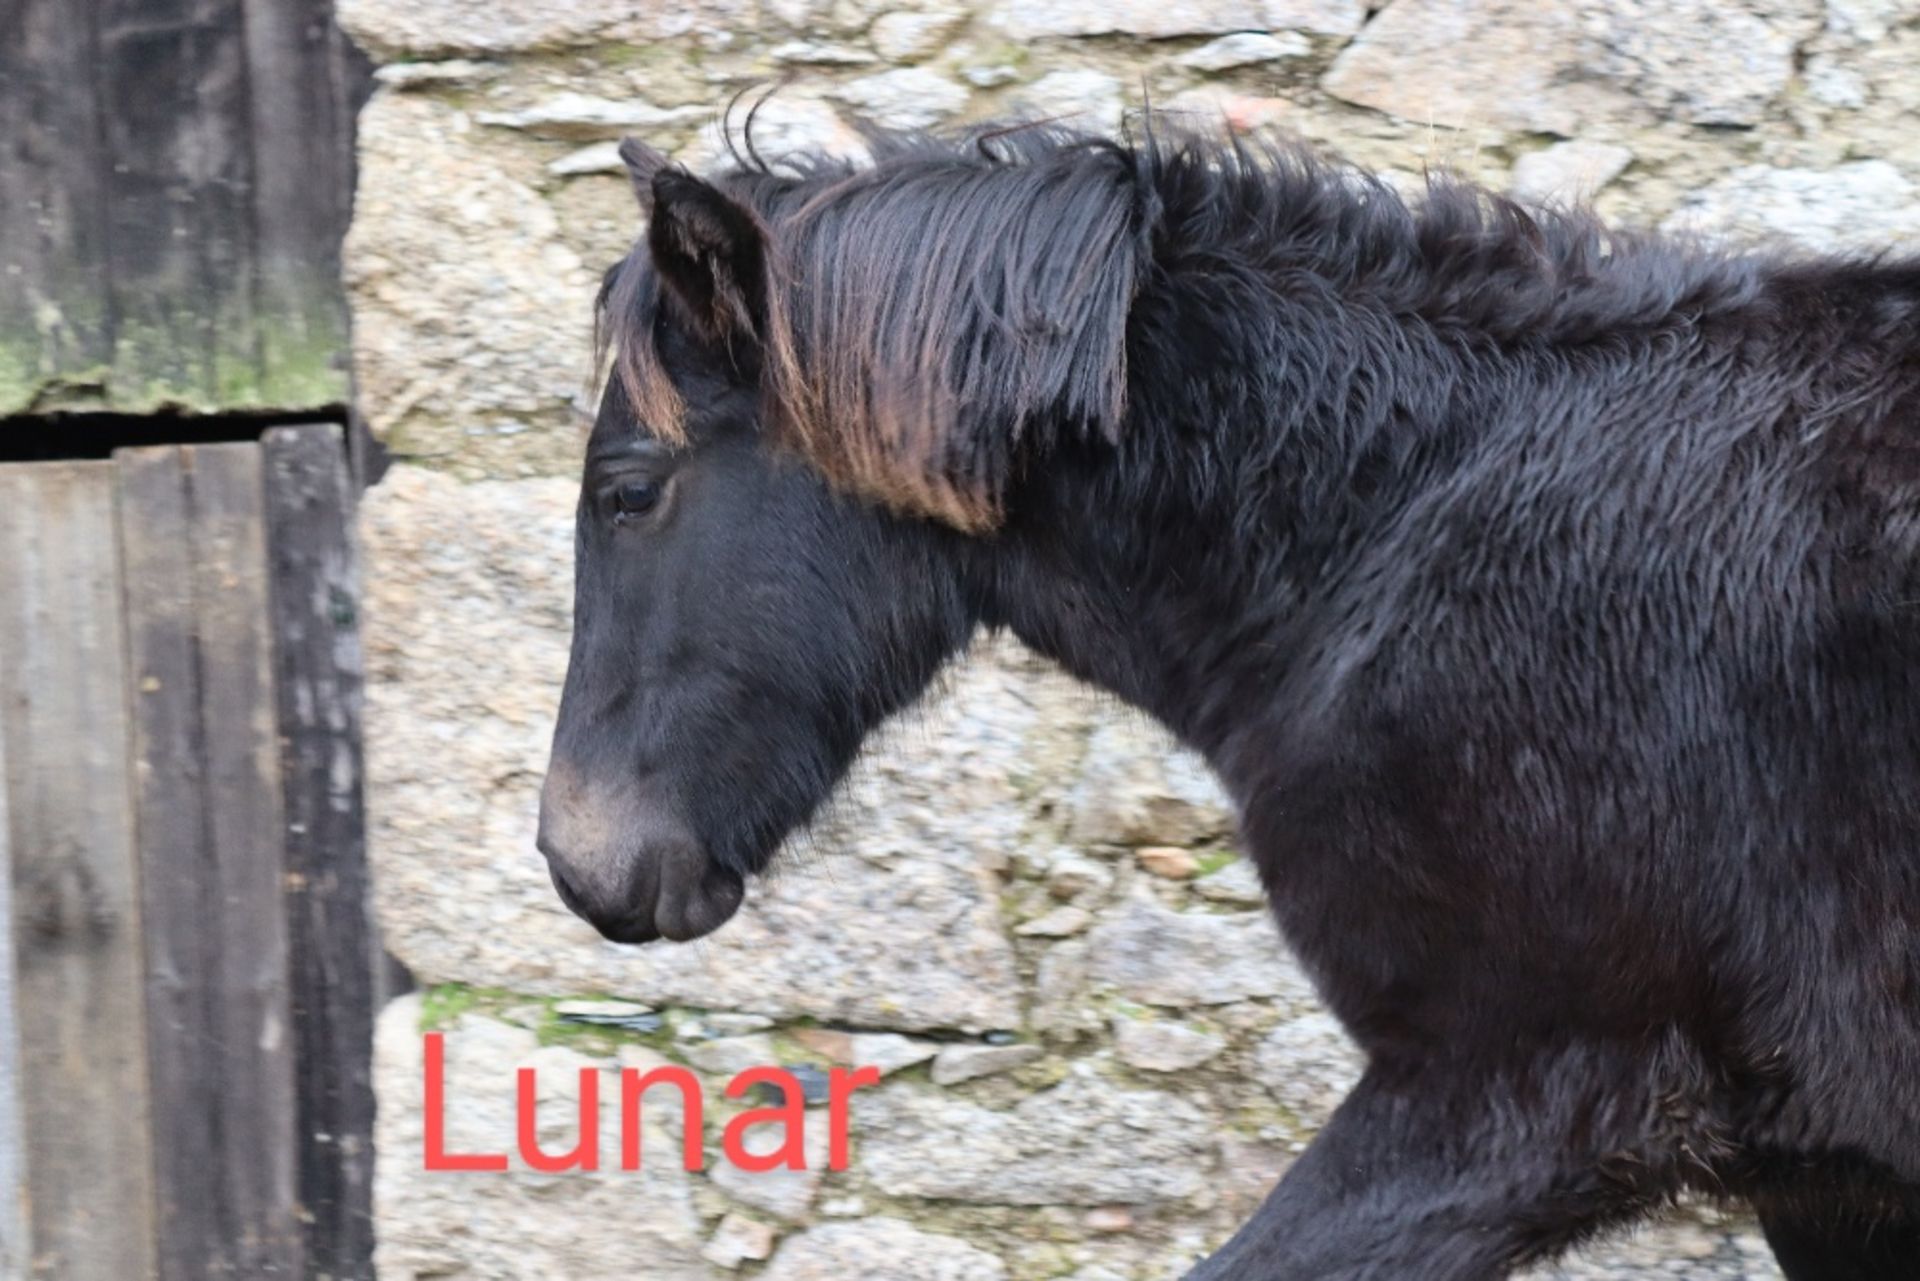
[614, 915]
[625, 862]
[589, 835]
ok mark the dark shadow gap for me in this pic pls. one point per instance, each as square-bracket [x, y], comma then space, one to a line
[32, 438]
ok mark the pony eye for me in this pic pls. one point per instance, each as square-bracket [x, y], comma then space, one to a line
[636, 498]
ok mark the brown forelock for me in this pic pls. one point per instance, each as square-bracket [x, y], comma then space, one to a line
[931, 319]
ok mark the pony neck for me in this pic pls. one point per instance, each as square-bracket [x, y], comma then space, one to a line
[1190, 569]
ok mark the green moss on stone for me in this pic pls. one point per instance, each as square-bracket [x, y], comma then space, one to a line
[1213, 860]
[440, 1006]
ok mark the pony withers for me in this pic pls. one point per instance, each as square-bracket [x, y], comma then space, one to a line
[1544, 596]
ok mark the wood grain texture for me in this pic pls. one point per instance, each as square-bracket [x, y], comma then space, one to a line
[182, 171]
[186, 954]
[332, 942]
[76, 921]
[15, 1245]
[53, 241]
[210, 838]
[171, 83]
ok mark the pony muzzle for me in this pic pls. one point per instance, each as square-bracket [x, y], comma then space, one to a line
[629, 868]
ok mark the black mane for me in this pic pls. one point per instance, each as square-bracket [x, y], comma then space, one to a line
[1458, 257]
[959, 302]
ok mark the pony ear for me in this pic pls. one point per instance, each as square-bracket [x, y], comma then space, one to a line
[642, 163]
[711, 253]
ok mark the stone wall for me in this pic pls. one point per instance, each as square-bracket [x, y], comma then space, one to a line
[1027, 906]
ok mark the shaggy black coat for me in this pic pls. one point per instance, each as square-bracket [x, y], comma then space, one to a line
[1544, 596]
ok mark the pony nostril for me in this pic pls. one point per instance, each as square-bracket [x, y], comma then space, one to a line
[564, 885]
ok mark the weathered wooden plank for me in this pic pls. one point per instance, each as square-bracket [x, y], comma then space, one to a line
[55, 335]
[15, 1248]
[77, 937]
[331, 937]
[305, 87]
[194, 204]
[170, 807]
[172, 88]
[210, 839]
[252, 1020]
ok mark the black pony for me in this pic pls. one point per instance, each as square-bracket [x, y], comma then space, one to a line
[1547, 598]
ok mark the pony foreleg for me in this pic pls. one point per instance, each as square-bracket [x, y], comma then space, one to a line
[1440, 1185]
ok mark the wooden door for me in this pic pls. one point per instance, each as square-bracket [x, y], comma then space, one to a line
[186, 1022]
